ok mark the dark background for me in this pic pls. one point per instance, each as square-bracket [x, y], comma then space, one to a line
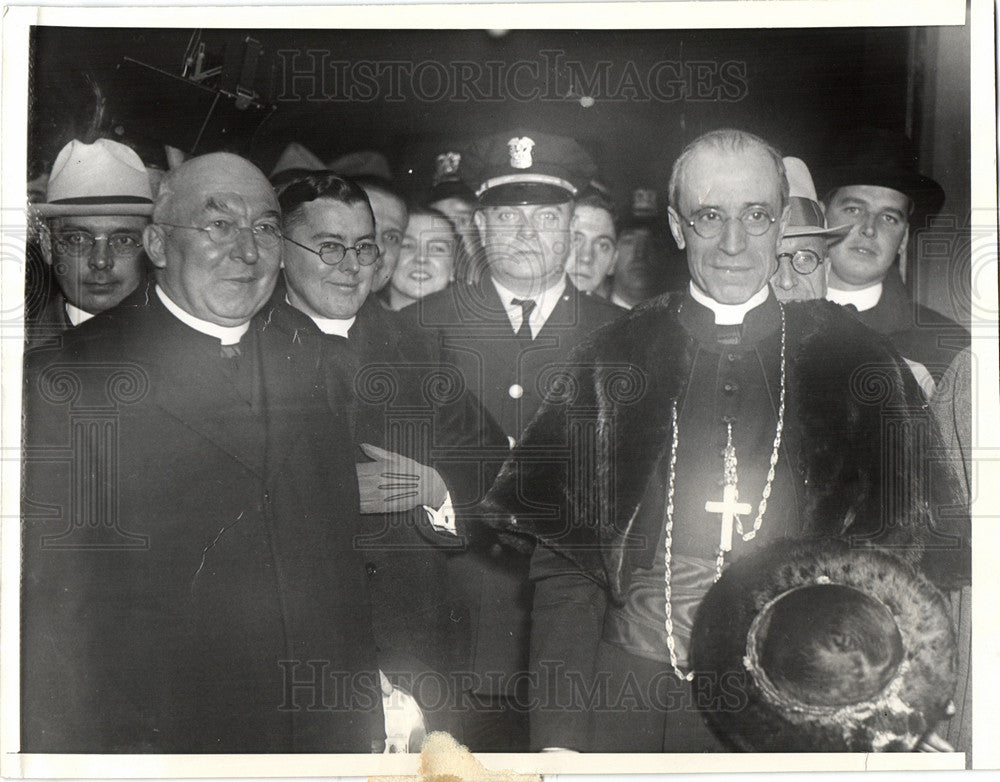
[802, 89]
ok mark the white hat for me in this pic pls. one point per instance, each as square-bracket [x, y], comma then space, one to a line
[103, 178]
[296, 156]
[805, 215]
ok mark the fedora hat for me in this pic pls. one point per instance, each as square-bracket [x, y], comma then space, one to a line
[883, 158]
[805, 213]
[815, 646]
[103, 178]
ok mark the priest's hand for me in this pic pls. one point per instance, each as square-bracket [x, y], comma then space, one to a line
[393, 483]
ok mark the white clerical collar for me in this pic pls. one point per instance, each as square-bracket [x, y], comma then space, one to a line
[545, 302]
[227, 335]
[76, 315]
[864, 299]
[336, 326]
[729, 314]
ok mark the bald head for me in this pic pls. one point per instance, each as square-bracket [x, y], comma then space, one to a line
[215, 238]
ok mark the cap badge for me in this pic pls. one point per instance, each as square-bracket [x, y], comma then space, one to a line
[643, 201]
[446, 165]
[520, 152]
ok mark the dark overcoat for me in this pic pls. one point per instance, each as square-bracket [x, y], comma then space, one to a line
[403, 398]
[189, 579]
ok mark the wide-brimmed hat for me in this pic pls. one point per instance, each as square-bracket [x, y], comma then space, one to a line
[815, 646]
[103, 178]
[805, 213]
[883, 158]
[526, 167]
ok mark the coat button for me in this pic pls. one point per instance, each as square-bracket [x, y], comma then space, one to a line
[730, 388]
[371, 569]
[731, 357]
[515, 391]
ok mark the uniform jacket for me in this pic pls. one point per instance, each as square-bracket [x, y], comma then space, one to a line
[510, 376]
[189, 578]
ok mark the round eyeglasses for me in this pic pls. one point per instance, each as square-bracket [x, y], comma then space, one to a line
[803, 261]
[79, 244]
[265, 235]
[708, 223]
[332, 253]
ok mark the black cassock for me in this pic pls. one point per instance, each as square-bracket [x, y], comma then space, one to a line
[855, 443]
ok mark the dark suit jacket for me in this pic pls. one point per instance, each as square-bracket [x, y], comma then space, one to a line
[917, 332]
[404, 399]
[189, 578]
[477, 339]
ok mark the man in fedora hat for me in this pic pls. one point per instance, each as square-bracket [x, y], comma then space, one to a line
[877, 189]
[508, 335]
[98, 201]
[185, 589]
[803, 252]
[688, 434]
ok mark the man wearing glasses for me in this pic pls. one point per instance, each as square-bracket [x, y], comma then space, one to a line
[98, 202]
[803, 254]
[419, 434]
[193, 584]
[722, 420]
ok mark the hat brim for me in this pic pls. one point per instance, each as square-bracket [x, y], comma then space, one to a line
[525, 193]
[90, 210]
[926, 194]
[837, 232]
[895, 719]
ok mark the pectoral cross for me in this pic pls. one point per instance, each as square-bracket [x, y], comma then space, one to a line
[730, 509]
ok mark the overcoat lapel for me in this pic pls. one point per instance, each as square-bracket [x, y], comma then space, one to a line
[292, 391]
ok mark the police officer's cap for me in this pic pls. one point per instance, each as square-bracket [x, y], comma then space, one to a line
[526, 167]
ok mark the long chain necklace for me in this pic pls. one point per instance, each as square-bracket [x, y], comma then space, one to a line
[727, 507]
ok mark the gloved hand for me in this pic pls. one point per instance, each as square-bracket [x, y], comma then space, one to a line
[394, 483]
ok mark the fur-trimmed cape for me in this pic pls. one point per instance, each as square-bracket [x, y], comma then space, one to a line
[866, 468]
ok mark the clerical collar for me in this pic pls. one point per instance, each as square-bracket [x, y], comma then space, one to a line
[729, 314]
[336, 326]
[76, 315]
[864, 299]
[545, 302]
[227, 335]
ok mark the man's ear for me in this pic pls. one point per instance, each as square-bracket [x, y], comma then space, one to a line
[614, 262]
[154, 242]
[675, 227]
[45, 241]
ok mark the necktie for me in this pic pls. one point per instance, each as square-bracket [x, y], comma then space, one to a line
[527, 307]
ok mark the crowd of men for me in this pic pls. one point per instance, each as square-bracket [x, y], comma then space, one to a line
[296, 445]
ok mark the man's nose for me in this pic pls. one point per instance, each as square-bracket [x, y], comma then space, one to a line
[734, 237]
[785, 277]
[100, 254]
[868, 225]
[245, 247]
[349, 264]
[526, 228]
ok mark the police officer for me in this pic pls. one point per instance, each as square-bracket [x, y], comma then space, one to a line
[510, 335]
